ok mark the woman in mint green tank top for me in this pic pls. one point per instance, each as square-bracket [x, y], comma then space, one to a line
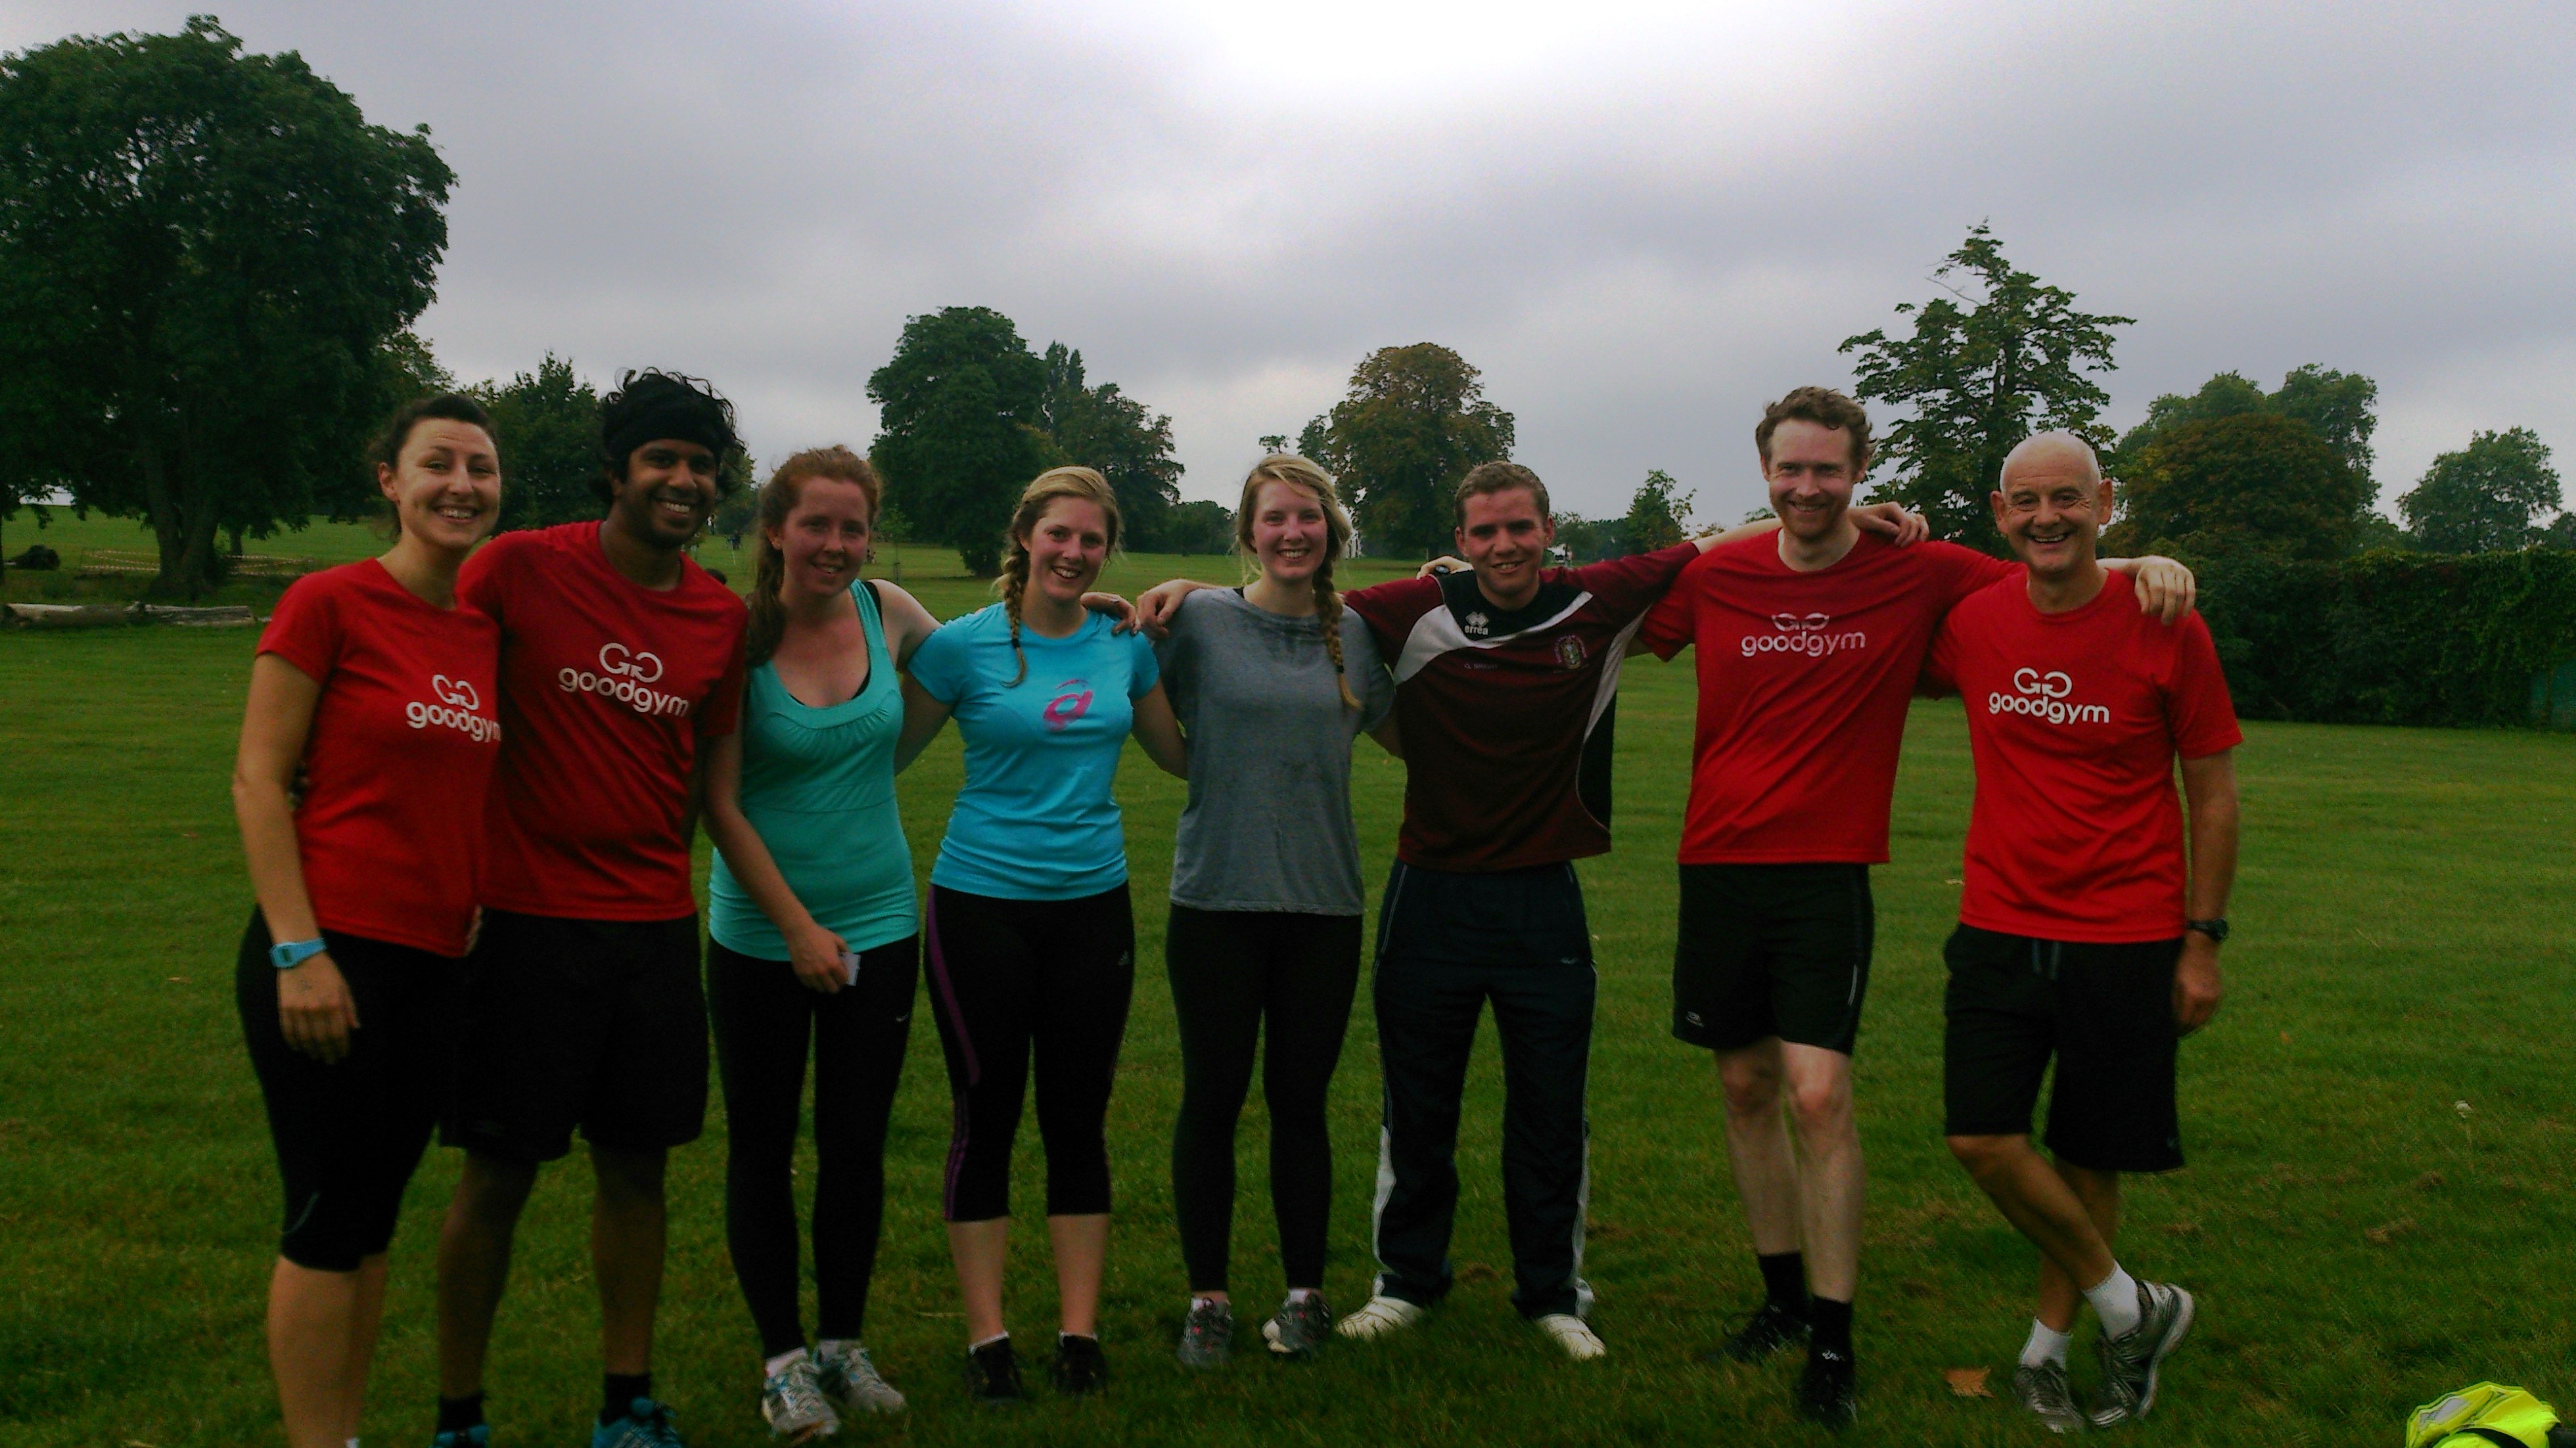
[816, 930]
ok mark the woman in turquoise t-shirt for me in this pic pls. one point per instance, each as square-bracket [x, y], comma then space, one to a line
[1032, 940]
[814, 926]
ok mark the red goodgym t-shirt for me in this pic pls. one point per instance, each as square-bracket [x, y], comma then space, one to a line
[400, 751]
[2075, 720]
[1804, 680]
[606, 688]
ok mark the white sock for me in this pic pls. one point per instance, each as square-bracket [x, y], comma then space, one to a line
[770, 1367]
[835, 1346]
[1197, 1302]
[353, 1443]
[988, 1342]
[2115, 1301]
[1300, 1294]
[2045, 1345]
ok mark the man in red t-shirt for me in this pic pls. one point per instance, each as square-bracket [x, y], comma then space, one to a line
[1810, 642]
[619, 658]
[2086, 932]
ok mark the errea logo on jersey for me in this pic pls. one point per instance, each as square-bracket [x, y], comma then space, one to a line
[2043, 696]
[624, 675]
[1811, 634]
[456, 709]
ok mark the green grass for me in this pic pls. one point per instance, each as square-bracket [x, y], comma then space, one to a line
[2403, 944]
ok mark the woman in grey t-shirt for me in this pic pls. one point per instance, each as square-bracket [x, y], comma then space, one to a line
[1272, 682]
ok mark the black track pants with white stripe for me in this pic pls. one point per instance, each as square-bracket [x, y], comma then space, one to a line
[1447, 944]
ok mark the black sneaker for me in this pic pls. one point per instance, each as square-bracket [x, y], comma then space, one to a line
[1207, 1338]
[1827, 1393]
[993, 1375]
[1080, 1367]
[1765, 1331]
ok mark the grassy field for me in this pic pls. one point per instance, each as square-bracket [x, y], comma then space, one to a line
[2404, 944]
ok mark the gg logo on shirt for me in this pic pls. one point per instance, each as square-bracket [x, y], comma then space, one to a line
[2043, 696]
[623, 675]
[455, 710]
[1810, 634]
[1072, 700]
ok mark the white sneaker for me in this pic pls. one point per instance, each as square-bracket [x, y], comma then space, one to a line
[1574, 1335]
[1379, 1317]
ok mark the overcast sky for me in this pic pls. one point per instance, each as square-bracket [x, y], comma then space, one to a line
[1641, 220]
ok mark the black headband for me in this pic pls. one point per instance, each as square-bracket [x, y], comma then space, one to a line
[686, 416]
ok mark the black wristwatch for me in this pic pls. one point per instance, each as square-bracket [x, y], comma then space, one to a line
[2216, 929]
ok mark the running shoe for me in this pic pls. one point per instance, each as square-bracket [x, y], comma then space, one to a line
[647, 1424]
[2050, 1398]
[993, 1375]
[478, 1436]
[1380, 1316]
[1574, 1335]
[1301, 1326]
[2130, 1361]
[1080, 1367]
[791, 1399]
[1760, 1333]
[1828, 1392]
[1207, 1339]
[852, 1382]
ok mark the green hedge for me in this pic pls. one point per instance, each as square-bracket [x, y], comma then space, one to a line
[2398, 638]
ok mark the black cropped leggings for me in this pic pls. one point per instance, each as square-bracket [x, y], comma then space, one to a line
[1235, 974]
[763, 1020]
[1016, 979]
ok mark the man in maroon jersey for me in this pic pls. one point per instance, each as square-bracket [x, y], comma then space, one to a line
[1809, 644]
[2086, 932]
[619, 656]
[1505, 677]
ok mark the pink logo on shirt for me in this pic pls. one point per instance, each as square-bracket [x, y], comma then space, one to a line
[1072, 701]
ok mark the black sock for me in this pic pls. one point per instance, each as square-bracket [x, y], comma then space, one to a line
[1829, 1325]
[618, 1390]
[455, 1415]
[1784, 1279]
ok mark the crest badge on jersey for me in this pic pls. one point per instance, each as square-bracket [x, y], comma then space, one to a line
[1569, 651]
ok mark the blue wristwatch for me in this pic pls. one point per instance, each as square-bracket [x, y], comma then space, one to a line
[293, 953]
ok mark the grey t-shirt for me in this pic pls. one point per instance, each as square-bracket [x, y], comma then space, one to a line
[1268, 825]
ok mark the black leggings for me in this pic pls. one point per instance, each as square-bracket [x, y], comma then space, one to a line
[350, 1133]
[1009, 978]
[763, 1017]
[1231, 970]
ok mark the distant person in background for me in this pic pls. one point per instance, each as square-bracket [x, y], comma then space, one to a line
[620, 658]
[2088, 932]
[1272, 682]
[378, 686]
[1032, 940]
[816, 934]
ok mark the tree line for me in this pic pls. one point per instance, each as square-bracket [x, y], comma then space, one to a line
[210, 265]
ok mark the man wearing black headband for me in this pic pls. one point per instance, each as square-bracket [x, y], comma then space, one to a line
[619, 658]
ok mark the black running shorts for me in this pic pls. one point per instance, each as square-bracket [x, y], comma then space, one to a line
[596, 1024]
[2104, 1011]
[1772, 950]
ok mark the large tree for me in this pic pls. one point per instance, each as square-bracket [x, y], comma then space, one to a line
[203, 257]
[2254, 484]
[2001, 357]
[963, 407]
[1130, 444]
[2341, 407]
[1415, 421]
[2485, 497]
[548, 421]
[1656, 517]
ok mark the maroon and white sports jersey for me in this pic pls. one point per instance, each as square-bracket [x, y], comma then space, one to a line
[1506, 717]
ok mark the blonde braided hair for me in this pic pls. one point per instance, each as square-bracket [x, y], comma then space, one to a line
[1013, 584]
[1299, 473]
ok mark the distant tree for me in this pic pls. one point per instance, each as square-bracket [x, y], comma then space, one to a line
[1199, 526]
[2340, 406]
[1656, 518]
[1102, 428]
[203, 257]
[548, 423]
[2253, 484]
[1589, 540]
[1274, 442]
[2484, 498]
[963, 405]
[1984, 368]
[1415, 421]
[2561, 533]
[2376, 532]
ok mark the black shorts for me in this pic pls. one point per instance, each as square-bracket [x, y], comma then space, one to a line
[599, 1024]
[1772, 950]
[2104, 1011]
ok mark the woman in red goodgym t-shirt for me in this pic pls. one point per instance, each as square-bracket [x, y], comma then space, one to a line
[378, 686]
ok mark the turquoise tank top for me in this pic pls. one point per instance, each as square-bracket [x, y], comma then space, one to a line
[818, 786]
